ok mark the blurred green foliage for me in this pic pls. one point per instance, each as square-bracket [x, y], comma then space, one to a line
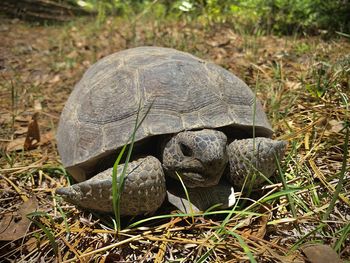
[269, 16]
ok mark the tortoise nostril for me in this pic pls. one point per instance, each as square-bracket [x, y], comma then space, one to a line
[186, 151]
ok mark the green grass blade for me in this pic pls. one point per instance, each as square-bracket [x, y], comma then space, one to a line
[243, 245]
[343, 34]
[47, 231]
[301, 240]
[205, 256]
[64, 218]
[187, 196]
[279, 194]
[285, 186]
[220, 212]
[116, 192]
[118, 185]
[227, 218]
[212, 208]
[252, 179]
[341, 177]
[342, 239]
[49, 235]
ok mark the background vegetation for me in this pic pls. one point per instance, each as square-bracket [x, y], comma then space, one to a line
[268, 16]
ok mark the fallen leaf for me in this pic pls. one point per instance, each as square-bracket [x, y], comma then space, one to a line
[20, 131]
[263, 220]
[319, 253]
[31, 244]
[74, 54]
[79, 45]
[33, 134]
[18, 143]
[292, 85]
[55, 79]
[46, 137]
[37, 105]
[86, 63]
[15, 225]
[22, 118]
[257, 227]
[15, 145]
[291, 257]
[221, 43]
[5, 117]
[336, 126]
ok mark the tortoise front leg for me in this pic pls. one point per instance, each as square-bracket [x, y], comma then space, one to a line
[144, 189]
[253, 158]
[201, 198]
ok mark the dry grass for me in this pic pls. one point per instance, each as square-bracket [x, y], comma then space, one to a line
[304, 86]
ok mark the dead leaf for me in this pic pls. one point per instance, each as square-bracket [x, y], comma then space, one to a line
[261, 231]
[55, 79]
[257, 227]
[292, 85]
[319, 253]
[20, 131]
[32, 139]
[46, 138]
[74, 54]
[37, 105]
[5, 117]
[220, 43]
[86, 63]
[15, 225]
[336, 126]
[33, 134]
[18, 144]
[15, 145]
[266, 210]
[31, 244]
[22, 118]
[80, 45]
[292, 257]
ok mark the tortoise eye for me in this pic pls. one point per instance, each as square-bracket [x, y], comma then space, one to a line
[186, 151]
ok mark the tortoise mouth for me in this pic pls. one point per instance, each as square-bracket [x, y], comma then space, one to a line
[193, 179]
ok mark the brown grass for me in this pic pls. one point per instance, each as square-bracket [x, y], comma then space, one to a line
[302, 83]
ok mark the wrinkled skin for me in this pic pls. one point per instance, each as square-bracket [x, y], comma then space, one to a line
[198, 156]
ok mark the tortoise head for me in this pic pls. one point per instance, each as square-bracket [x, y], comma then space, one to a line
[198, 157]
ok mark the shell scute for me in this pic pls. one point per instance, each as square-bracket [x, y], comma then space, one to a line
[184, 92]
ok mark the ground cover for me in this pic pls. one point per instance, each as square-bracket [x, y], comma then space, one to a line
[303, 83]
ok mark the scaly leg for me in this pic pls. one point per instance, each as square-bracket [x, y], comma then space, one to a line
[144, 189]
[253, 158]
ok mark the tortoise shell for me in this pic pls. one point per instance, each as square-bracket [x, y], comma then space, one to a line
[182, 91]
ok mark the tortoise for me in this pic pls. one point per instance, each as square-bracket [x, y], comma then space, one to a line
[201, 123]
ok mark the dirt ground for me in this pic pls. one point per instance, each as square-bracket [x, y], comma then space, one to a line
[303, 83]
